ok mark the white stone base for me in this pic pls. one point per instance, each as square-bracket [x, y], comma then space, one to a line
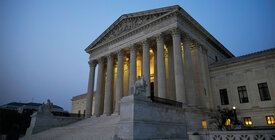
[140, 119]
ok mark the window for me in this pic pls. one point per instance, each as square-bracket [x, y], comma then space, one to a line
[204, 124]
[216, 59]
[228, 122]
[224, 97]
[247, 121]
[242, 94]
[78, 113]
[264, 93]
[270, 120]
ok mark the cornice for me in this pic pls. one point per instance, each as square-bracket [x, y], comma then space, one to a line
[203, 31]
[244, 58]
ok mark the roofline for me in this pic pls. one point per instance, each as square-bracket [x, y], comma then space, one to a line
[245, 57]
[204, 31]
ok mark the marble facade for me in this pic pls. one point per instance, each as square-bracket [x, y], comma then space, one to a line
[173, 53]
[142, 44]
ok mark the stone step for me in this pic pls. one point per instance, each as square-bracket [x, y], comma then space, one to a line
[94, 128]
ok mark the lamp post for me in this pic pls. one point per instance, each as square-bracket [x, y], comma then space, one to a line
[235, 115]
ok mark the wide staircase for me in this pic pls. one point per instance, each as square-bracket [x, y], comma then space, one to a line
[95, 128]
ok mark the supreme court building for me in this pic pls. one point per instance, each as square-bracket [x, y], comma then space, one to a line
[181, 62]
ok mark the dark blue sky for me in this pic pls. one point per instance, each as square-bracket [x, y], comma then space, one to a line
[42, 42]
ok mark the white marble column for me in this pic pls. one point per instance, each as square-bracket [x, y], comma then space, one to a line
[203, 78]
[178, 67]
[189, 73]
[99, 87]
[198, 74]
[133, 66]
[109, 86]
[207, 76]
[161, 67]
[119, 80]
[155, 72]
[146, 65]
[171, 71]
[89, 104]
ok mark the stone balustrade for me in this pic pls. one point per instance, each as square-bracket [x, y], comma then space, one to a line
[233, 135]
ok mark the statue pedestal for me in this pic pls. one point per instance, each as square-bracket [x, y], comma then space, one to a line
[142, 119]
[41, 121]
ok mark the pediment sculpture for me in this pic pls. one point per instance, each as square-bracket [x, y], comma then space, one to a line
[128, 24]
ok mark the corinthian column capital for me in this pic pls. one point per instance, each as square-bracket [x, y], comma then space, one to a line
[92, 63]
[101, 60]
[120, 52]
[145, 43]
[110, 56]
[133, 48]
[175, 31]
[159, 37]
[186, 38]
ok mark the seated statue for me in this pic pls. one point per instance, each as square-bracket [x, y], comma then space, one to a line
[46, 107]
[139, 88]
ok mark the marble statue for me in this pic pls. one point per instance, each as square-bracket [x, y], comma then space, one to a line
[139, 88]
[46, 107]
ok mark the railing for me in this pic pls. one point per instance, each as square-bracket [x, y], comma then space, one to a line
[233, 135]
[165, 101]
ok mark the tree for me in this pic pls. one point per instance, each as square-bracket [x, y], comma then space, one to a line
[220, 116]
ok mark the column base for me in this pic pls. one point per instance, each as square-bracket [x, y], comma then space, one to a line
[104, 115]
[94, 116]
[115, 114]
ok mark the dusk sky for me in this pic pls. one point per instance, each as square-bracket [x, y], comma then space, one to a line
[42, 42]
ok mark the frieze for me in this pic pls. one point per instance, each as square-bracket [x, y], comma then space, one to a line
[129, 24]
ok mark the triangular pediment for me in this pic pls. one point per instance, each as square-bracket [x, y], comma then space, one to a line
[129, 22]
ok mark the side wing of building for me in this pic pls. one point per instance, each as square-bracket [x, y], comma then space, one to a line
[248, 83]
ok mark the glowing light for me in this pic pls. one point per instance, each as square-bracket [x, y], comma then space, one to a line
[204, 125]
[228, 122]
[234, 107]
[270, 119]
[247, 121]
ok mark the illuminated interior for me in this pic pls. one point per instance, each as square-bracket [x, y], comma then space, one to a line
[138, 67]
[151, 53]
[228, 122]
[270, 120]
[125, 76]
[182, 51]
[139, 64]
[203, 123]
[247, 121]
[166, 71]
[114, 84]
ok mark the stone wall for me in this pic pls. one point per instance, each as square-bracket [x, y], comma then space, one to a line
[79, 104]
[246, 71]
